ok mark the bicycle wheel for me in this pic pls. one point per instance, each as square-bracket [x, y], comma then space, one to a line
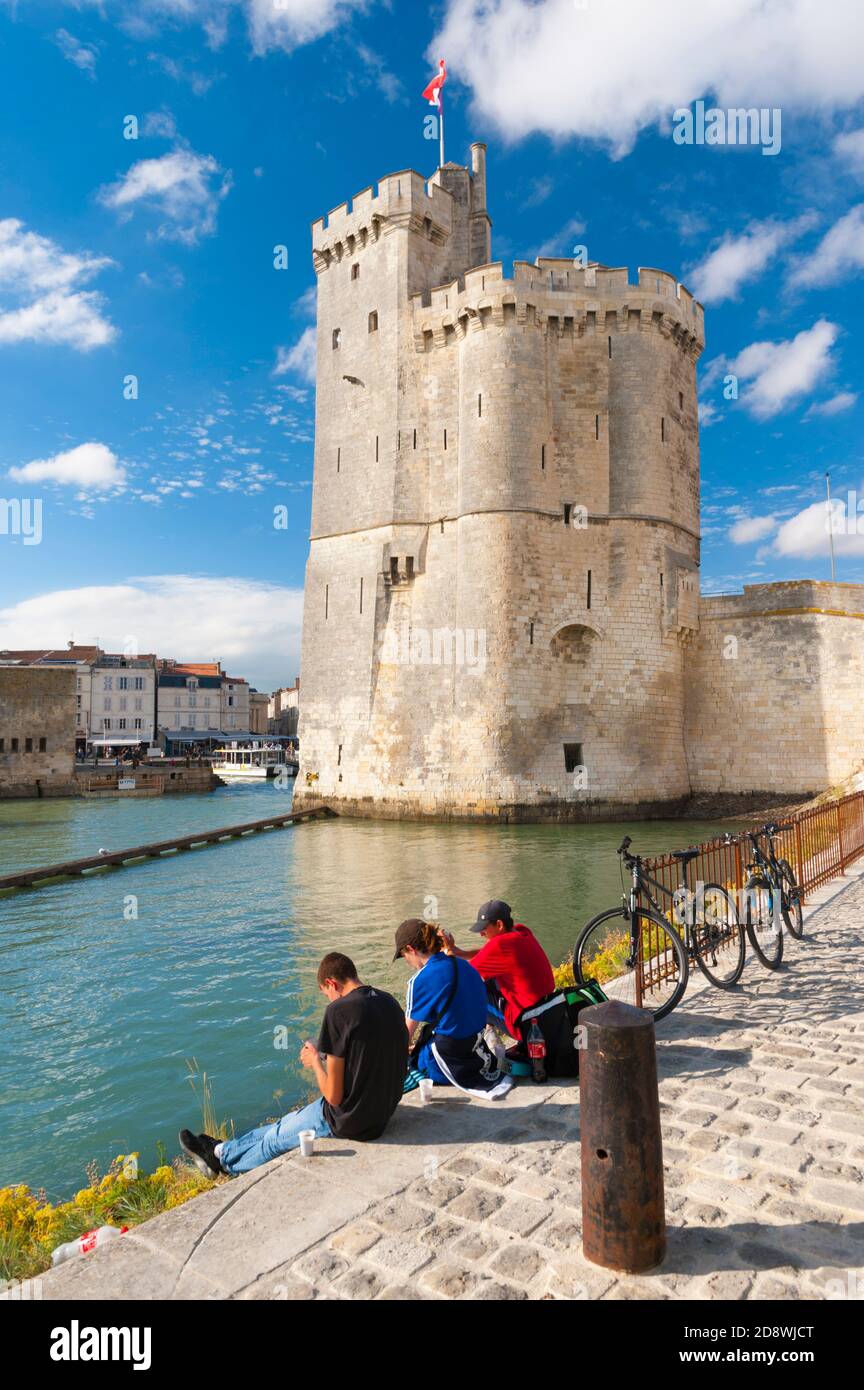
[718, 936]
[764, 931]
[793, 916]
[655, 980]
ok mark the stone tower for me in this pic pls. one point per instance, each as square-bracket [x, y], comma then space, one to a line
[502, 578]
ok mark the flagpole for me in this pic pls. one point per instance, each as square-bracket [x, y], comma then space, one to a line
[441, 126]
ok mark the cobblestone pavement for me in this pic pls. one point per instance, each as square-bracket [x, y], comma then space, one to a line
[762, 1092]
[762, 1096]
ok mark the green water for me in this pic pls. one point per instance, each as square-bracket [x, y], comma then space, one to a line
[109, 985]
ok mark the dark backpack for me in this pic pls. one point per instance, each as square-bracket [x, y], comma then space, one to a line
[557, 1017]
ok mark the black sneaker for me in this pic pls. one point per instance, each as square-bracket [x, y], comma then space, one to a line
[202, 1151]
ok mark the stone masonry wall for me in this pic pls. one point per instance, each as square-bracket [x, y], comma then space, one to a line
[774, 689]
[502, 574]
[37, 731]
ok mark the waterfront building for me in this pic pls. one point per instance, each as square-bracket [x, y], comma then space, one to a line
[259, 704]
[284, 710]
[502, 610]
[122, 701]
[235, 706]
[189, 705]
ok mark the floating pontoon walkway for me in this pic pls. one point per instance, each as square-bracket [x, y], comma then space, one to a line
[78, 868]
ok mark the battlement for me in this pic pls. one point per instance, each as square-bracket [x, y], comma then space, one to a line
[403, 199]
[792, 596]
[558, 292]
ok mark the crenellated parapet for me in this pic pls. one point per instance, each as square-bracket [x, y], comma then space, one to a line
[401, 200]
[562, 298]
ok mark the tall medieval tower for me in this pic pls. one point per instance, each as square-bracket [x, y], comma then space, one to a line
[503, 572]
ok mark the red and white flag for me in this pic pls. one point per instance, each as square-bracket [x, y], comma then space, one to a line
[432, 93]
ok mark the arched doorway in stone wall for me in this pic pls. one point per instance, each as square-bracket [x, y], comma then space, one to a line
[575, 651]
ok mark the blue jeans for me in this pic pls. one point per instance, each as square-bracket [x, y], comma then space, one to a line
[269, 1141]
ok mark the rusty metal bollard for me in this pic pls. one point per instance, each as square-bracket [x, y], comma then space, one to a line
[623, 1210]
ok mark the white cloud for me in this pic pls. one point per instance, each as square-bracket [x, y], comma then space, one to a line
[83, 55]
[299, 359]
[88, 465]
[40, 295]
[561, 243]
[251, 626]
[606, 71]
[835, 405]
[291, 23]
[839, 253]
[184, 187]
[752, 528]
[850, 148]
[778, 373]
[738, 259]
[708, 414]
[807, 534]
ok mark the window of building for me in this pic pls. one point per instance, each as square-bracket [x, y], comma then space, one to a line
[588, 591]
[106, 703]
[531, 634]
[193, 700]
[680, 400]
[106, 723]
[326, 601]
[176, 701]
[206, 701]
[373, 321]
[121, 723]
[122, 703]
[543, 456]
[139, 682]
[376, 448]
[355, 271]
[139, 703]
[43, 745]
[230, 701]
[445, 441]
[13, 745]
[122, 682]
[139, 724]
[662, 429]
[610, 347]
[338, 459]
[361, 593]
[596, 426]
[28, 745]
[572, 756]
[107, 682]
[479, 405]
[568, 507]
[337, 338]
[191, 682]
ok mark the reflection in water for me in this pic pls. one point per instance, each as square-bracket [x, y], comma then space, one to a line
[108, 986]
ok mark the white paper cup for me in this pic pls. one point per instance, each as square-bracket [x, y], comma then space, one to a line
[307, 1143]
[426, 1090]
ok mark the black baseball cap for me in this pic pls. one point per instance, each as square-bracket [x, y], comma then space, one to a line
[409, 933]
[493, 911]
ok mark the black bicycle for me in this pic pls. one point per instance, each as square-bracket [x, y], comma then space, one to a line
[639, 957]
[771, 893]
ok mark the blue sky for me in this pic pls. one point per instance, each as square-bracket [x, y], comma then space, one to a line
[153, 257]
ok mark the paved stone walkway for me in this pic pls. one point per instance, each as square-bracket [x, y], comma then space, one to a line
[762, 1093]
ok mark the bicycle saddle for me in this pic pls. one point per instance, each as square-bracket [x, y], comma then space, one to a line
[685, 855]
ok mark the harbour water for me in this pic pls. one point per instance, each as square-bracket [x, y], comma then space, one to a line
[110, 986]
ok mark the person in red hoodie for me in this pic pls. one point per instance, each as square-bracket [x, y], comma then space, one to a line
[512, 962]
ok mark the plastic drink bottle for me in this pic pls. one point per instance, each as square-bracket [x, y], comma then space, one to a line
[537, 1051]
[84, 1244]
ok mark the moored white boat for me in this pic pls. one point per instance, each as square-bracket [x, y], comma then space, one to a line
[253, 761]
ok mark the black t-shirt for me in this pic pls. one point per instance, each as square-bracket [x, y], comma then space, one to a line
[367, 1028]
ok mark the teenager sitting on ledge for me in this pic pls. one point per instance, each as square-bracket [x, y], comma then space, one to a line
[448, 999]
[360, 1078]
[512, 962]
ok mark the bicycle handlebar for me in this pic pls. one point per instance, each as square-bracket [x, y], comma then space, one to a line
[625, 845]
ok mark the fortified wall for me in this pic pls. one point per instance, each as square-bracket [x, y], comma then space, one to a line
[502, 612]
[774, 699]
[37, 731]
